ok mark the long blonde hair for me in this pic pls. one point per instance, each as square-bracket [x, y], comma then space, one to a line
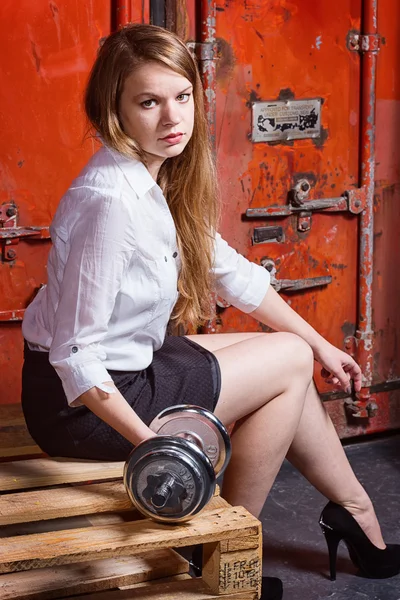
[188, 180]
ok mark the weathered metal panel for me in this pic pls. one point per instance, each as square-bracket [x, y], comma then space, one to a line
[386, 270]
[275, 51]
[284, 51]
[47, 49]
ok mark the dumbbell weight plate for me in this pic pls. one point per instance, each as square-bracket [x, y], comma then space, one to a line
[199, 425]
[162, 459]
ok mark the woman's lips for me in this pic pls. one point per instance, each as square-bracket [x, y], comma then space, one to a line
[173, 138]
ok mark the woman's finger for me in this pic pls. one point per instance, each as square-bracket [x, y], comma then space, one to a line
[354, 372]
[356, 376]
[343, 379]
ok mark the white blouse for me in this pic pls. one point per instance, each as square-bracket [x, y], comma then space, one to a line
[112, 276]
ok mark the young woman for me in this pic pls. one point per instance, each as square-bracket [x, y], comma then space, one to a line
[135, 244]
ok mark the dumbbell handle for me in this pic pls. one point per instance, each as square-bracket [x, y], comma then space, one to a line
[163, 492]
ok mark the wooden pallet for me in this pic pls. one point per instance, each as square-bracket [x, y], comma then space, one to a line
[14, 436]
[68, 529]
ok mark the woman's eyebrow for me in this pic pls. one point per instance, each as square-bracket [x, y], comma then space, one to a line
[154, 95]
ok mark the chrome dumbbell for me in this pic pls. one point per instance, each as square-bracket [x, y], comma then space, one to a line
[172, 476]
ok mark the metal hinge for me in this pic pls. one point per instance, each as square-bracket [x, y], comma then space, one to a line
[357, 42]
[10, 233]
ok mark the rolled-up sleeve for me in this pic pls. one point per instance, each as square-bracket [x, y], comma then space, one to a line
[97, 252]
[238, 281]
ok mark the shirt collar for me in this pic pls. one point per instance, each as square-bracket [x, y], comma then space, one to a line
[135, 172]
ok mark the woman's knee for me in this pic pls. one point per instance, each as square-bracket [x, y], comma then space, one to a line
[298, 355]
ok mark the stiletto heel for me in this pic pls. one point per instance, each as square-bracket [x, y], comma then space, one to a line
[332, 540]
[338, 524]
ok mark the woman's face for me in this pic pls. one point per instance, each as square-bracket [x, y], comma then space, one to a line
[157, 111]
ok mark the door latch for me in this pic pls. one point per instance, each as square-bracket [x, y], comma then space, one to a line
[292, 285]
[352, 201]
[10, 233]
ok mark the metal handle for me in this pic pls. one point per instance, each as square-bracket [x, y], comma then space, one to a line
[12, 233]
[293, 284]
[352, 201]
[300, 284]
[163, 492]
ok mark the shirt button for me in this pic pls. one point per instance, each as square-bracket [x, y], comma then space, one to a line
[74, 349]
[175, 254]
[166, 259]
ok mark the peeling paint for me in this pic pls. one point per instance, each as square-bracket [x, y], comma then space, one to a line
[320, 141]
[56, 16]
[36, 56]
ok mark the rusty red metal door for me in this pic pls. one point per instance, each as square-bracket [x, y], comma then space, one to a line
[47, 49]
[302, 204]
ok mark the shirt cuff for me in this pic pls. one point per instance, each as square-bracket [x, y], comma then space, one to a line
[82, 378]
[253, 294]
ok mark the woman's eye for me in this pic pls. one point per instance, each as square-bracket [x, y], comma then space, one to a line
[149, 103]
[183, 97]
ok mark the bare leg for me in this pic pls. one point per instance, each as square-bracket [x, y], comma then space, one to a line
[266, 405]
[260, 391]
[321, 459]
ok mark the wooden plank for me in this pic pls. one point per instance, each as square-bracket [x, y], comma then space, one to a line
[243, 543]
[63, 502]
[229, 572]
[90, 499]
[180, 577]
[93, 576]
[193, 589]
[42, 472]
[11, 414]
[115, 517]
[44, 526]
[8, 450]
[14, 436]
[55, 548]
[77, 521]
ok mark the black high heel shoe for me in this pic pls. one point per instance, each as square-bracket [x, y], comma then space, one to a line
[271, 587]
[338, 524]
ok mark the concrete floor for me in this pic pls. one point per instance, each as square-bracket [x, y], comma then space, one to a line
[294, 547]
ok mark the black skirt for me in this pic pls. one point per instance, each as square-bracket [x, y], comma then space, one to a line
[182, 372]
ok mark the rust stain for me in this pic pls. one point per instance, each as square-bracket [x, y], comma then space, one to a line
[348, 329]
[320, 142]
[253, 97]
[56, 16]
[36, 56]
[225, 62]
[286, 94]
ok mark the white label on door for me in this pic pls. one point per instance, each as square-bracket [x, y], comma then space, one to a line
[286, 120]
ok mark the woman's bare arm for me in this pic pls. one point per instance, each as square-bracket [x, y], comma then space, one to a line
[116, 412]
[276, 313]
[338, 366]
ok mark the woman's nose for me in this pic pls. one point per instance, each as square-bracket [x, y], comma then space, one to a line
[171, 114]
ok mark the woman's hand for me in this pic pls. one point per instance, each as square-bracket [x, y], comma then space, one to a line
[338, 367]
